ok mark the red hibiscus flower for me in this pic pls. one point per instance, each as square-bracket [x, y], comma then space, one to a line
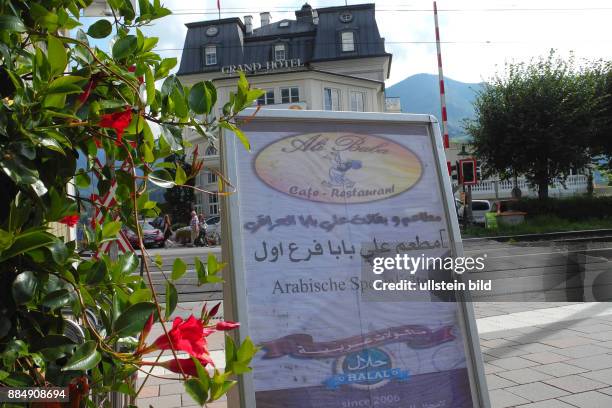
[133, 69]
[70, 220]
[227, 325]
[117, 121]
[186, 335]
[90, 87]
[187, 365]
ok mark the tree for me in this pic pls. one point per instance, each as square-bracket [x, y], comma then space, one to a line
[62, 98]
[179, 200]
[536, 120]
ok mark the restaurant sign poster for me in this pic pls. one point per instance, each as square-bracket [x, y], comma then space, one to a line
[316, 196]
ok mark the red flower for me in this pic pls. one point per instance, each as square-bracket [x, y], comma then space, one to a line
[90, 87]
[117, 121]
[70, 220]
[133, 69]
[227, 325]
[187, 365]
[185, 335]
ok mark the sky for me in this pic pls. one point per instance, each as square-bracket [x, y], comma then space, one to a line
[478, 37]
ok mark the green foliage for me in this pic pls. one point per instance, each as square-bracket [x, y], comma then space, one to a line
[578, 208]
[536, 120]
[62, 98]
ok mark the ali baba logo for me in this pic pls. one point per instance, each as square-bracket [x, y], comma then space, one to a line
[365, 369]
[338, 167]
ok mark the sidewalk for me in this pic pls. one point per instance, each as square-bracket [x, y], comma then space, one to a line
[537, 355]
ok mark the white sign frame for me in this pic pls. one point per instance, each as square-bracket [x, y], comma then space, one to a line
[234, 292]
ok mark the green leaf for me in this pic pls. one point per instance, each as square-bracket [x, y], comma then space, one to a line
[85, 357]
[213, 266]
[57, 299]
[200, 98]
[197, 390]
[178, 269]
[132, 320]
[110, 229]
[56, 54]
[246, 351]
[239, 133]
[125, 47]
[150, 84]
[100, 29]
[24, 287]
[27, 242]
[65, 85]
[180, 177]
[161, 178]
[11, 23]
[82, 179]
[140, 295]
[159, 261]
[180, 106]
[171, 299]
[6, 239]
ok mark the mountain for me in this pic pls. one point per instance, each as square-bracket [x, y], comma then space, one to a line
[420, 93]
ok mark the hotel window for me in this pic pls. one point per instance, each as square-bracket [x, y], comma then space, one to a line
[290, 95]
[331, 99]
[348, 41]
[267, 98]
[211, 151]
[210, 53]
[280, 52]
[213, 204]
[357, 101]
[212, 177]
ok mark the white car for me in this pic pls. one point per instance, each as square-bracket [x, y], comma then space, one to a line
[479, 209]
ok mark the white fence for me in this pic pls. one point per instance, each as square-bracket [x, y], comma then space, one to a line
[485, 189]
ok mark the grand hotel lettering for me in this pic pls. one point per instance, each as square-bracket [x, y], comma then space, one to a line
[255, 67]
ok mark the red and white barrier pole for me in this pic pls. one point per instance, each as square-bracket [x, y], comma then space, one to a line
[441, 80]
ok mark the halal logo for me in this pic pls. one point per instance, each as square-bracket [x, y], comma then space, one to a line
[365, 369]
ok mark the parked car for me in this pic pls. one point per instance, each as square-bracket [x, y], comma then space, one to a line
[479, 209]
[150, 235]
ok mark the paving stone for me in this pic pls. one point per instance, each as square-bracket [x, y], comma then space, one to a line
[524, 375]
[575, 383]
[559, 369]
[568, 341]
[590, 399]
[494, 382]
[175, 388]
[606, 344]
[535, 347]
[491, 369]
[586, 350]
[606, 390]
[149, 391]
[165, 401]
[601, 336]
[591, 328]
[593, 362]
[502, 352]
[504, 399]
[546, 357]
[513, 363]
[537, 391]
[604, 376]
[497, 343]
[552, 403]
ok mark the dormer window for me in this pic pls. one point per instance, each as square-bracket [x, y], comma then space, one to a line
[348, 41]
[280, 52]
[283, 24]
[210, 55]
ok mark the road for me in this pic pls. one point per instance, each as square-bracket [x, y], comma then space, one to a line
[187, 286]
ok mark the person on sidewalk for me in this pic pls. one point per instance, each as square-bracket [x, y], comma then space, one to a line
[195, 227]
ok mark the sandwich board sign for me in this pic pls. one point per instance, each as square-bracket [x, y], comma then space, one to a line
[317, 192]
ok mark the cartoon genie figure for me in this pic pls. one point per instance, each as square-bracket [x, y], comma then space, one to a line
[338, 170]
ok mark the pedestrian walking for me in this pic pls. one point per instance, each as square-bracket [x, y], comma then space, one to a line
[195, 227]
